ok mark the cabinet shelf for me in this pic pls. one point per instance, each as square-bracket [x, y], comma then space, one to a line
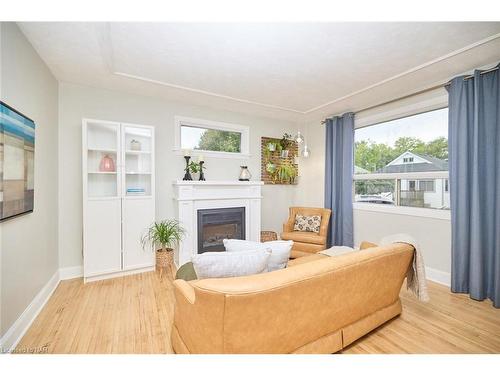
[110, 150]
[139, 173]
[137, 152]
[99, 172]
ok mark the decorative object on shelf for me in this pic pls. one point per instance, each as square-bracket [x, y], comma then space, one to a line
[245, 174]
[136, 191]
[107, 164]
[202, 175]
[275, 168]
[187, 175]
[268, 235]
[135, 145]
[164, 234]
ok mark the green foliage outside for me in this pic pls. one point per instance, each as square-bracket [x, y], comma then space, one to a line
[373, 156]
[220, 140]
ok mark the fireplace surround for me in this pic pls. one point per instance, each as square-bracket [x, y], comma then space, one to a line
[194, 198]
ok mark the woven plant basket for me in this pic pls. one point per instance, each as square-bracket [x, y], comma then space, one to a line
[267, 235]
[164, 258]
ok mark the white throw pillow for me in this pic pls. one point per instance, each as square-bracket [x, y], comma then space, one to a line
[226, 264]
[280, 250]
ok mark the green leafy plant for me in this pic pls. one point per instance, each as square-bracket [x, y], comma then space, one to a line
[286, 141]
[166, 233]
[195, 167]
[285, 173]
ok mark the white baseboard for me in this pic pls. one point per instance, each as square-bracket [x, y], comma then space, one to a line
[438, 276]
[70, 272]
[12, 337]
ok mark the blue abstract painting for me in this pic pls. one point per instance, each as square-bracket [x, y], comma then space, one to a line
[17, 163]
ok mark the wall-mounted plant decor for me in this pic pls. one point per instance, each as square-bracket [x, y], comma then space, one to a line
[278, 156]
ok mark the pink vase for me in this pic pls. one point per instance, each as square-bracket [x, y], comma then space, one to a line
[107, 164]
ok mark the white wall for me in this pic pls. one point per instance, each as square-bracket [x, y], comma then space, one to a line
[76, 102]
[434, 235]
[29, 242]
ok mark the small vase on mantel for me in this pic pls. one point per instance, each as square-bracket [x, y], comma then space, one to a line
[245, 174]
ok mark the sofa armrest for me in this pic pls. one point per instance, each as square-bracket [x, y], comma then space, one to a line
[366, 245]
[198, 318]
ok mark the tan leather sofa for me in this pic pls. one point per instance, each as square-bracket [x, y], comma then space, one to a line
[306, 243]
[316, 305]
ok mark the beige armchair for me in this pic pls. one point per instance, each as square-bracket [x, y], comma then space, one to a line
[306, 243]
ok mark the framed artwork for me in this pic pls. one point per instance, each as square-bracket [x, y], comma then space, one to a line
[17, 163]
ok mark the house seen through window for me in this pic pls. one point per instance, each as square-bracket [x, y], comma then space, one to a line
[404, 162]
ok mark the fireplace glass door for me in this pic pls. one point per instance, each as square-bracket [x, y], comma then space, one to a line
[214, 225]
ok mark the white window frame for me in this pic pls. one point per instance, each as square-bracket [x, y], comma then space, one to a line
[215, 125]
[422, 106]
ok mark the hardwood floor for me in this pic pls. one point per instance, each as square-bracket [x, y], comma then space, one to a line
[133, 314]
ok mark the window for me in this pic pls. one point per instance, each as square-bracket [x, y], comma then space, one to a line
[404, 162]
[212, 138]
[426, 185]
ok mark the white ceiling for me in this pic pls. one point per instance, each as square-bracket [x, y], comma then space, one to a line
[288, 70]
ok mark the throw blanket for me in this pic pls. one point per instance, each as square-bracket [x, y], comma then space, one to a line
[415, 277]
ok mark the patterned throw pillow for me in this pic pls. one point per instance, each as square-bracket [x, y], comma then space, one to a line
[307, 223]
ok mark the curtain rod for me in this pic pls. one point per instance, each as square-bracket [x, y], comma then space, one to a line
[420, 92]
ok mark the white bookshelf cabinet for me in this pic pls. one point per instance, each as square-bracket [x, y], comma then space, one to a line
[118, 197]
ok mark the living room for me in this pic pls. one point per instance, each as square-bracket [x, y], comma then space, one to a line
[249, 187]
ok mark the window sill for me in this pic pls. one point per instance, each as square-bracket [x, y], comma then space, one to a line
[214, 154]
[401, 210]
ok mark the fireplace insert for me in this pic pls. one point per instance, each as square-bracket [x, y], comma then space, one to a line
[214, 225]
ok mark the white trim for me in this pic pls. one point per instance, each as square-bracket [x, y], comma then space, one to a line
[422, 106]
[403, 210]
[162, 83]
[409, 71]
[70, 272]
[438, 276]
[107, 46]
[216, 125]
[15, 333]
[118, 274]
[401, 176]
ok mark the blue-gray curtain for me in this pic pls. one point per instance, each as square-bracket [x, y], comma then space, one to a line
[338, 178]
[474, 160]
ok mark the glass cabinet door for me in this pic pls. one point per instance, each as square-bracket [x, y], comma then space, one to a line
[137, 144]
[102, 159]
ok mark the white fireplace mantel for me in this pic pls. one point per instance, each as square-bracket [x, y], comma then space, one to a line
[191, 196]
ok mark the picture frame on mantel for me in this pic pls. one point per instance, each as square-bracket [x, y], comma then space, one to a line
[279, 161]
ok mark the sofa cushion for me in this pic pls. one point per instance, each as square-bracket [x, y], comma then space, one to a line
[307, 237]
[280, 250]
[231, 264]
[186, 272]
[305, 223]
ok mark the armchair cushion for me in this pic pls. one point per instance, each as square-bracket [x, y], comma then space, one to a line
[307, 237]
[305, 223]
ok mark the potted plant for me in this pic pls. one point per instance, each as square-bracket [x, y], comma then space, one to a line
[163, 236]
[285, 143]
[195, 167]
[285, 173]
